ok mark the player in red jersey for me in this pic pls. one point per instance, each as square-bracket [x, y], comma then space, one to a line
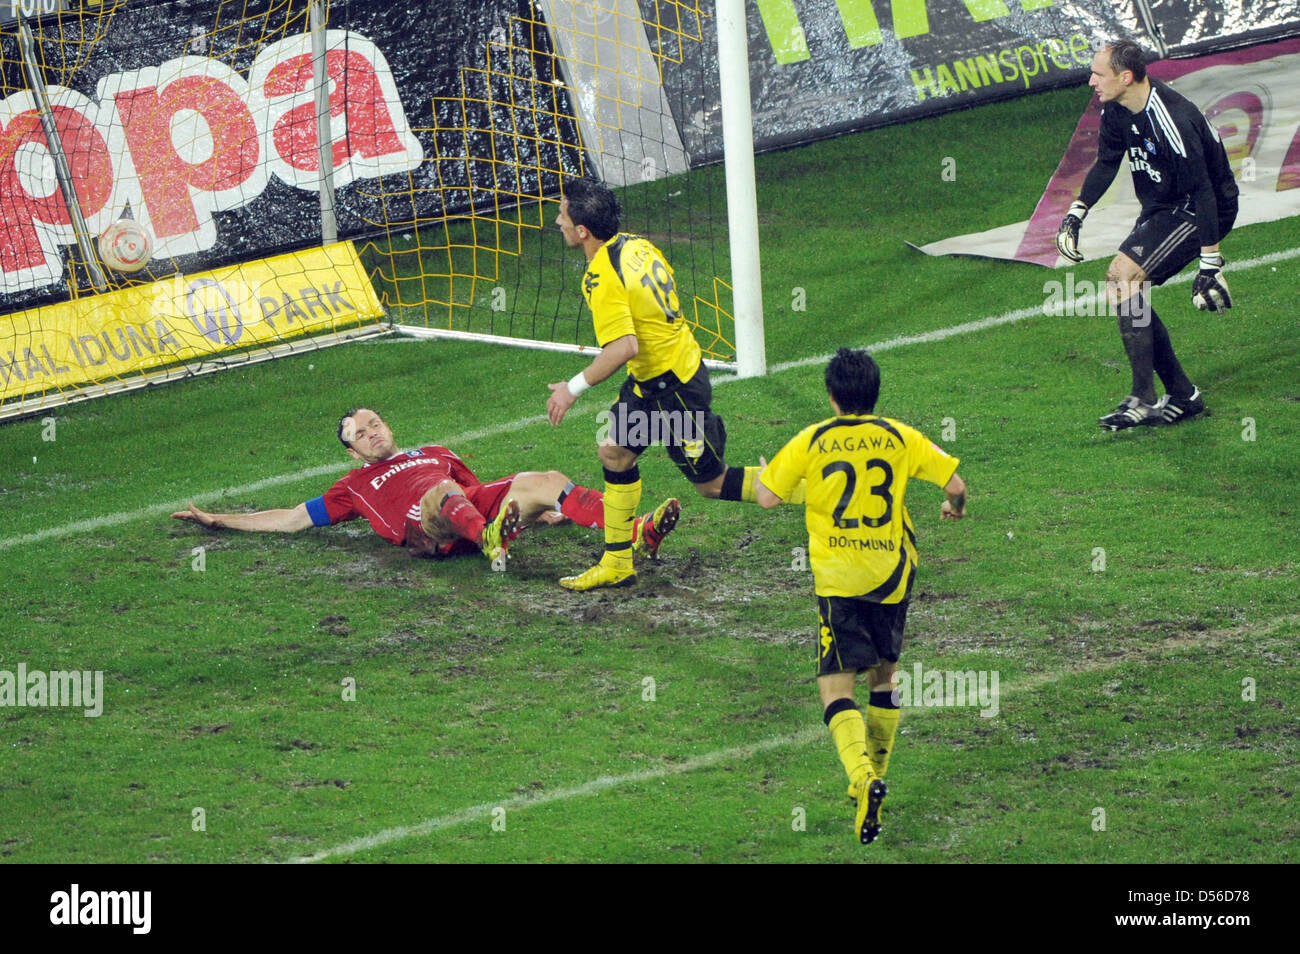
[429, 501]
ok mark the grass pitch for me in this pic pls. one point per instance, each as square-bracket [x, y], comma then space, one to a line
[1147, 709]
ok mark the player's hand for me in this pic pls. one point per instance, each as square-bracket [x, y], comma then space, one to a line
[948, 512]
[1067, 236]
[550, 518]
[196, 515]
[561, 400]
[1209, 288]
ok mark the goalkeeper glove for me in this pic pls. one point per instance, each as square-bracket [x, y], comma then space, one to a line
[1210, 289]
[1067, 236]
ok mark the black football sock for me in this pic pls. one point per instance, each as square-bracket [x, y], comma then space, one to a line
[733, 484]
[1166, 362]
[1135, 330]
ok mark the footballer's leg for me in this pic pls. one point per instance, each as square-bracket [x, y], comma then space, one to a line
[1181, 247]
[843, 718]
[882, 716]
[697, 450]
[844, 649]
[698, 441]
[447, 506]
[885, 622]
[622, 495]
[618, 454]
[1183, 399]
[1125, 293]
[849, 733]
[1158, 248]
[737, 483]
[1128, 297]
[550, 496]
[536, 492]
[543, 492]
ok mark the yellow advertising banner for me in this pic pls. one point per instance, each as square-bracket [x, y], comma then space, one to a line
[183, 319]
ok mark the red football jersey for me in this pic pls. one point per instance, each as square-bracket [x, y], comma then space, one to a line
[387, 493]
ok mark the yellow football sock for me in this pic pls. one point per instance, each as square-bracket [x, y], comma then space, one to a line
[882, 725]
[622, 496]
[849, 733]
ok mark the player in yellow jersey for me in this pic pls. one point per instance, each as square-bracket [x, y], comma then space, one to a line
[666, 397]
[862, 548]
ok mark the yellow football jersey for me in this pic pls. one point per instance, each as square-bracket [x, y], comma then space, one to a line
[860, 537]
[630, 289]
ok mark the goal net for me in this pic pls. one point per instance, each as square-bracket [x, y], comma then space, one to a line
[563, 88]
[446, 133]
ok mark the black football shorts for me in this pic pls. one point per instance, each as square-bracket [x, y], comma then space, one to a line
[854, 634]
[674, 413]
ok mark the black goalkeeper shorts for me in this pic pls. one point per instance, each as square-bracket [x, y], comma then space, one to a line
[1166, 242]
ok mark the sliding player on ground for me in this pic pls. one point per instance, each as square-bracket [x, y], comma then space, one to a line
[1189, 202]
[667, 394]
[862, 549]
[430, 502]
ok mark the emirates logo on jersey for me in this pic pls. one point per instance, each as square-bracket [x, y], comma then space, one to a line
[1138, 163]
[381, 479]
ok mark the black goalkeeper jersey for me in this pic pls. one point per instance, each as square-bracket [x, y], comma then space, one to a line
[1176, 157]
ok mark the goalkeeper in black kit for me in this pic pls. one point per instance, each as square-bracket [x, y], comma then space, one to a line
[1189, 201]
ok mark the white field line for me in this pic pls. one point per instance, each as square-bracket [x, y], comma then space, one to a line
[1028, 683]
[170, 506]
[484, 810]
[1007, 318]
[1011, 317]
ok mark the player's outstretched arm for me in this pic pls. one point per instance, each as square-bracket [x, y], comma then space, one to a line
[1109, 153]
[266, 521]
[613, 356]
[954, 508]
